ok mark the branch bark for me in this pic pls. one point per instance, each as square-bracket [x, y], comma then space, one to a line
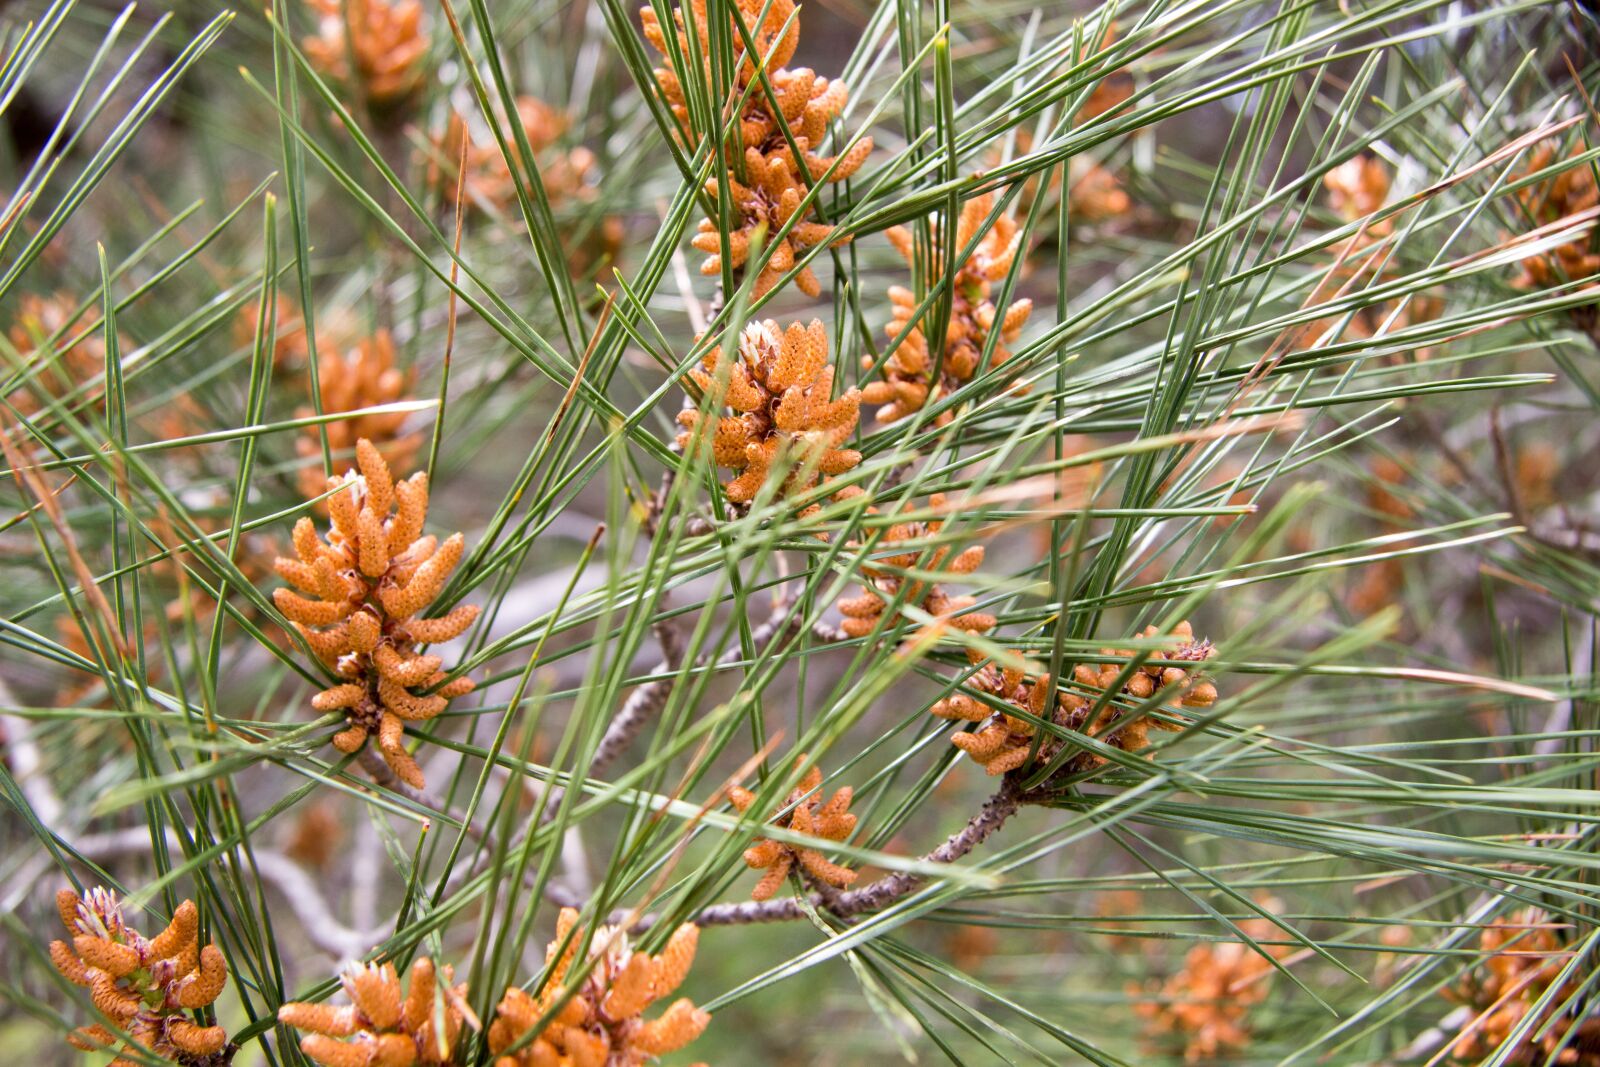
[877, 895]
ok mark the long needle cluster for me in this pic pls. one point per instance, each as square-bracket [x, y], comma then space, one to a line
[1004, 740]
[768, 178]
[383, 1025]
[780, 389]
[363, 377]
[146, 987]
[360, 593]
[805, 813]
[384, 38]
[911, 373]
[601, 1023]
[1525, 958]
[884, 581]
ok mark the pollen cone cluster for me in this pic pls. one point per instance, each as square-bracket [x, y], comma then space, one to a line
[1358, 188]
[75, 360]
[1549, 201]
[768, 179]
[1206, 1005]
[382, 1026]
[602, 1023]
[862, 614]
[1381, 582]
[1002, 743]
[146, 987]
[1111, 91]
[488, 179]
[780, 390]
[808, 815]
[1094, 194]
[1525, 958]
[360, 593]
[289, 337]
[908, 374]
[385, 39]
[363, 377]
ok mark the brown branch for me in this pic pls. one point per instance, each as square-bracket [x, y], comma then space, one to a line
[646, 702]
[877, 895]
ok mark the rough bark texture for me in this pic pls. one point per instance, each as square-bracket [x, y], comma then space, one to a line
[885, 891]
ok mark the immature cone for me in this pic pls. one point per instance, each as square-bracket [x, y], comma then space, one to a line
[882, 585]
[363, 590]
[1525, 955]
[363, 377]
[804, 814]
[383, 1025]
[768, 179]
[780, 390]
[602, 1023]
[1003, 741]
[144, 986]
[1206, 1005]
[1551, 200]
[384, 37]
[908, 373]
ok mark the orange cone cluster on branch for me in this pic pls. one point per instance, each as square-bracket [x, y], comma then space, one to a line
[78, 356]
[289, 349]
[780, 389]
[1382, 582]
[1526, 956]
[1357, 189]
[565, 175]
[808, 815]
[146, 987]
[908, 373]
[1551, 200]
[386, 40]
[383, 1025]
[601, 1024]
[863, 614]
[1111, 91]
[363, 377]
[360, 595]
[1004, 740]
[1206, 1005]
[767, 179]
[1094, 193]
